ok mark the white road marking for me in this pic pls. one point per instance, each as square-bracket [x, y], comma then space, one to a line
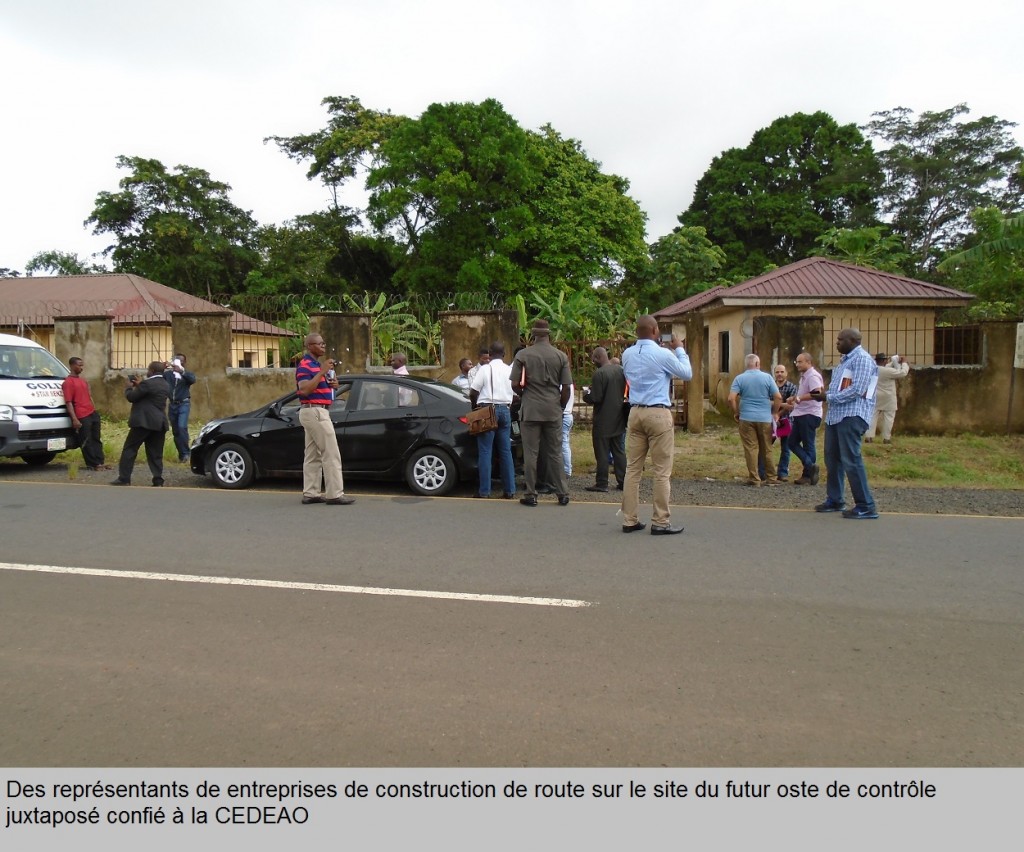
[281, 584]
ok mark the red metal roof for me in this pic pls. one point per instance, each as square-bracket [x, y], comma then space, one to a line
[123, 297]
[821, 279]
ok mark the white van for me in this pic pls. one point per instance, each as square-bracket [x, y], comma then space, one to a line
[34, 422]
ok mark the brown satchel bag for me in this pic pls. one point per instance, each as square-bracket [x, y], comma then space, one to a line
[482, 419]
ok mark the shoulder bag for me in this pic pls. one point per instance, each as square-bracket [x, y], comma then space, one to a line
[484, 418]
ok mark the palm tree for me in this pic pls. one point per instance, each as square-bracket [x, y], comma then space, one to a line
[1009, 238]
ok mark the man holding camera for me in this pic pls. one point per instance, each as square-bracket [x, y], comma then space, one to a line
[179, 387]
[147, 424]
[316, 383]
[649, 369]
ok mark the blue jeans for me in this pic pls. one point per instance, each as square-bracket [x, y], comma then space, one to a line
[178, 415]
[801, 442]
[842, 456]
[502, 437]
[566, 448]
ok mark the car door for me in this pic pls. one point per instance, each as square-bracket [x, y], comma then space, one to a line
[384, 420]
[282, 443]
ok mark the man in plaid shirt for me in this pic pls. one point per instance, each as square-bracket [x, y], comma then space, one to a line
[851, 402]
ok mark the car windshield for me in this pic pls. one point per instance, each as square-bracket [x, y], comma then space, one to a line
[28, 362]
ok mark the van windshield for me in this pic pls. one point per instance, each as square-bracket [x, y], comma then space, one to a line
[29, 362]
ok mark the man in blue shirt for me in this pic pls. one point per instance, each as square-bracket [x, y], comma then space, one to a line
[851, 402]
[649, 369]
[755, 401]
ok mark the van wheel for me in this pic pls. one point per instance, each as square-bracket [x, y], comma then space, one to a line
[38, 459]
[431, 472]
[232, 466]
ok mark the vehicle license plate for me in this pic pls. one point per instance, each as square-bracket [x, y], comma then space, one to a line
[56, 443]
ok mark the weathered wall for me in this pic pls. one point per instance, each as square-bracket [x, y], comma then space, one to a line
[932, 400]
[935, 400]
[349, 339]
[88, 338]
[464, 332]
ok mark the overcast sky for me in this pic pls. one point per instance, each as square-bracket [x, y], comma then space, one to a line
[654, 89]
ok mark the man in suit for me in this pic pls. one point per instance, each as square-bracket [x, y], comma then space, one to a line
[147, 425]
[606, 393]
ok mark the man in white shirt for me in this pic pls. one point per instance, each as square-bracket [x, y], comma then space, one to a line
[491, 386]
[889, 372]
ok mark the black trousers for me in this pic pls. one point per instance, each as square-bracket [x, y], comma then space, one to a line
[89, 440]
[603, 446]
[153, 440]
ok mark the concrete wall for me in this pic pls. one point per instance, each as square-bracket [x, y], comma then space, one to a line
[932, 399]
[464, 332]
[349, 339]
[936, 400]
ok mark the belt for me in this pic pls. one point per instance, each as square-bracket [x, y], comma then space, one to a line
[656, 405]
[316, 404]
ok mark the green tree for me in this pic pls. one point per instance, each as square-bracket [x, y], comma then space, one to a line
[178, 228]
[61, 263]
[585, 228]
[682, 264]
[322, 252]
[476, 202]
[874, 247]
[767, 203]
[7, 272]
[991, 266]
[938, 168]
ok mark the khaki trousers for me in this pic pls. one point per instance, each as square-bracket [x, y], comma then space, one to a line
[322, 458]
[756, 439]
[650, 431]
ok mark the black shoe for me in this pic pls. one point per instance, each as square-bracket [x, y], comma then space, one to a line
[528, 501]
[618, 486]
[815, 474]
[508, 495]
[602, 489]
[829, 507]
[635, 527]
[120, 482]
[563, 500]
[340, 501]
[158, 483]
[665, 530]
[307, 500]
[860, 514]
[480, 496]
[545, 489]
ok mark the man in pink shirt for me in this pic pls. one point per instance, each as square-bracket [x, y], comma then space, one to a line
[806, 418]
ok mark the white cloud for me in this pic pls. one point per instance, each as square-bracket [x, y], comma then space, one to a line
[652, 89]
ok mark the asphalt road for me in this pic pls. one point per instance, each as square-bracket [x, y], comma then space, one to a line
[756, 638]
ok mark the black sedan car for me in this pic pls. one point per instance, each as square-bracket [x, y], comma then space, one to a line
[396, 428]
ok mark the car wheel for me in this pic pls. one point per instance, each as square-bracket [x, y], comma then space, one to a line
[431, 472]
[232, 466]
[37, 459]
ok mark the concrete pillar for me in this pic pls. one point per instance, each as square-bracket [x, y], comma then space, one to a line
[695, 387]
[85, 337]
[349, 339]
[463, 333]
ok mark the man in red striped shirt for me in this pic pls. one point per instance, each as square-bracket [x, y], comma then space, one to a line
[322, 459]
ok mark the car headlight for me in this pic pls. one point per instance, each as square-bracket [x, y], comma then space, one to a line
[207, 429]
[6, 412]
